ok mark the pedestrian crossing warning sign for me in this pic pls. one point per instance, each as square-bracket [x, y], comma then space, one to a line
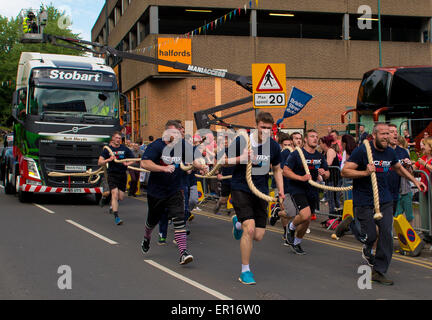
[269, 81]
[269, 85]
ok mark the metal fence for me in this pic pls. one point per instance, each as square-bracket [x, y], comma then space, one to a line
[422, 205]
[331, 202]
[421, 202]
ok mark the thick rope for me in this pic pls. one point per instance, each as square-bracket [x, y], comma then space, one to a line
[213, 177]
[249, 180]
[111, 153]
[316, 184]
[378, 215]
[89, 173]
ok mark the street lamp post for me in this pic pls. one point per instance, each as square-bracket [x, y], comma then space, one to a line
[379, 33]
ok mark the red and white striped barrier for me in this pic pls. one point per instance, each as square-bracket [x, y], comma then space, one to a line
[45, 189]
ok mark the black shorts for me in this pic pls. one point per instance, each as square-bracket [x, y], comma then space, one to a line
[302, 201]
[225, 189]
[173, 206]
[117, 180]
[248, 206]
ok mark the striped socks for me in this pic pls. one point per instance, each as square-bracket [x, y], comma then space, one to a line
[180, 238]
[147, 232]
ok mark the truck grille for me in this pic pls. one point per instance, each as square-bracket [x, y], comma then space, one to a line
[56, 156]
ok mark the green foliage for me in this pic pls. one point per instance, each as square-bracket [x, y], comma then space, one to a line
[11, 48]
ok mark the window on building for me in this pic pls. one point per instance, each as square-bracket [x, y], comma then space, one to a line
[117, 12]
[144, 111]
[144, 22]
[313, 25]
[393, 28]
[181, 20]
[133, 38]
[136, 113]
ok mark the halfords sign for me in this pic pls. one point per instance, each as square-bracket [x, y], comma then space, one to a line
[174, 50]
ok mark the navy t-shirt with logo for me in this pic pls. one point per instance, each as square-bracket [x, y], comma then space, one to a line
[161, 184]
[263, 162]
[314, 161]
[394, 178]
[362, 187]
[122, 152]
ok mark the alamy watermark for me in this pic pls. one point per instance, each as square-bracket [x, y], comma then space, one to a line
[365, 21]
[65, 20]
[64, 282]
[365, 280]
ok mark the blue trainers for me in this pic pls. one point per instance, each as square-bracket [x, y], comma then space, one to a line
[236, 233]
[247, 278]
[118, 221]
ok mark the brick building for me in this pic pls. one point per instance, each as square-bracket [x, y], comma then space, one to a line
[320, 41]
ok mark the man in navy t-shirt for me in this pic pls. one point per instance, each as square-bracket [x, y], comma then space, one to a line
[164, 190]
[358, 169]
[251, 212]
[117, 176]
[304, 195]
[289, 211]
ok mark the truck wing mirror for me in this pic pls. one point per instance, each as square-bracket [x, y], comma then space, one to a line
[126, 102]
[125, 116]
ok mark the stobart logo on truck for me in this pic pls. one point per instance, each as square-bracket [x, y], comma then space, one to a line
[75, 75]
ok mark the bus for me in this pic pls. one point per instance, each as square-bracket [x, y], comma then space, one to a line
[400, 95]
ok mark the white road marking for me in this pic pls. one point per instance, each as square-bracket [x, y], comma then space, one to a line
[43, 208]
[212, 292]
[97, 235]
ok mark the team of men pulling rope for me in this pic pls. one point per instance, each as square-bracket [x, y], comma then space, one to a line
[250, 190]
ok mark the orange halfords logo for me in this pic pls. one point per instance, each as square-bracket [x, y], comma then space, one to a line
[174, 50]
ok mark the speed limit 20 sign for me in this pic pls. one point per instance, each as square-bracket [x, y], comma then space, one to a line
[269, 85]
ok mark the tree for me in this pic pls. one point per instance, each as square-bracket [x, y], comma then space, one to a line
[11, 48]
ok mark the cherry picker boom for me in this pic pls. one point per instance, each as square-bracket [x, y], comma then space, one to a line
[202, 117]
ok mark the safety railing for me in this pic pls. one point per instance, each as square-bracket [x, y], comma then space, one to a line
[422, 209]
[210, 190]
[331, 202]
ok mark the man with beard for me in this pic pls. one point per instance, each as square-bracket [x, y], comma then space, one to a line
[358, 168]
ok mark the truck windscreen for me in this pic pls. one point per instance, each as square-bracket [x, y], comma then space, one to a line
[73, 101]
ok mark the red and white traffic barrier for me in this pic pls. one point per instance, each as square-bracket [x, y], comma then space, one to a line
[45, 189]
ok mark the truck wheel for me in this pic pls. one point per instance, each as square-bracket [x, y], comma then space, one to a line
[7, 181]
[23, 196]
[98, 197]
